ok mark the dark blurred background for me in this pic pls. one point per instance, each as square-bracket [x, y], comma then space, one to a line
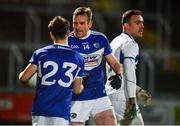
[23, 28]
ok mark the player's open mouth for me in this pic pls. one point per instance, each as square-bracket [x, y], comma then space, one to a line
[78, 32]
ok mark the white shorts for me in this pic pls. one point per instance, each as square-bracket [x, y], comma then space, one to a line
[42, 120]
[82, 110]
[120, 106]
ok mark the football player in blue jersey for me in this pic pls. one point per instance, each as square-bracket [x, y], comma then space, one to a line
[93, 46]
[126, 50]
[59, 74]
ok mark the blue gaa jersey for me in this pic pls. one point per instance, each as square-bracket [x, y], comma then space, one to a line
[58, 66]
[92, 47]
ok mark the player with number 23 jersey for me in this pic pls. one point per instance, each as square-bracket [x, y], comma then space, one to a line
[55, 61]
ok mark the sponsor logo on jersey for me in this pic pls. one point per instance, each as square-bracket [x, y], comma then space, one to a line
[92, 60]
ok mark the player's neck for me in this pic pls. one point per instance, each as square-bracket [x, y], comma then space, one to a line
[61, 41]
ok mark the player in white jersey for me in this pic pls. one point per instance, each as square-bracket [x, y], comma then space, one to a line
[126, 50]
[93, 46]
[60, 70]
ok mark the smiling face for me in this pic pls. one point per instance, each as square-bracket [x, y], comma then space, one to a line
[135, 26]
[81, 25]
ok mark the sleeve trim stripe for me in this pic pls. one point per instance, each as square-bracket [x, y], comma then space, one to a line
[129, 58]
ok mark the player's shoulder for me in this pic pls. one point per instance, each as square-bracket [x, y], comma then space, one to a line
[128, 41]
[71, 34]
[124, 42]
[119, 41]
[43, 49]
[96, 33]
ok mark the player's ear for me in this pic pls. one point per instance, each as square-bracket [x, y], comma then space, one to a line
[90, 23]
[52, 36]
[68, 33]
[126, 26]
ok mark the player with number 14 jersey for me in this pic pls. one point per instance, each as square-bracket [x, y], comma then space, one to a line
[92, 47]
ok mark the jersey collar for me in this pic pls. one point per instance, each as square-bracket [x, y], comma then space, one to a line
[128, 35]
[61, 44]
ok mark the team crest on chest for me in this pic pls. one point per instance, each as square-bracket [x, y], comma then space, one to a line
[96, 45]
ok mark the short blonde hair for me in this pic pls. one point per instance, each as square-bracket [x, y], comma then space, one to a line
[83, 11]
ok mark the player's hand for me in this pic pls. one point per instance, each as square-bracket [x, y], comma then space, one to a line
[115, 81]
[130, 112]
[85, 79]
[144, 96]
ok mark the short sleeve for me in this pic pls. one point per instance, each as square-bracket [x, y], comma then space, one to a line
[34, 59]
[131, 50]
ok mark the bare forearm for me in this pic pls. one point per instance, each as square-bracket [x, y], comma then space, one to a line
[114, 64]
[117, 68]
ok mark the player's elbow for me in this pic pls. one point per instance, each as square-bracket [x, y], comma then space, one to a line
[22, 79]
